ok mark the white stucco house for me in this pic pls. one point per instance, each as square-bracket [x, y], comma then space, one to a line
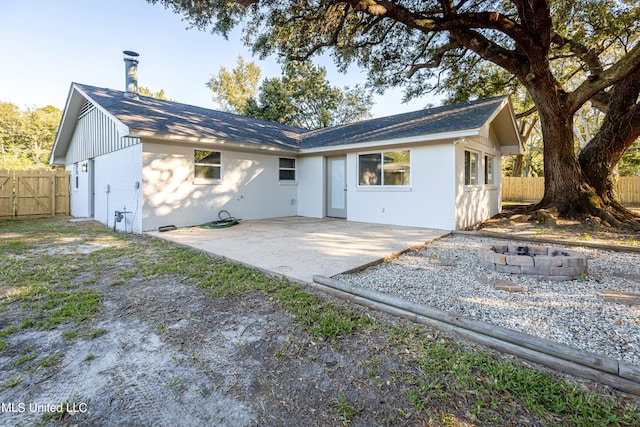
[167, 163]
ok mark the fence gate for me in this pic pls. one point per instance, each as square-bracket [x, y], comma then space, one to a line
[6, 193]
[34, 193]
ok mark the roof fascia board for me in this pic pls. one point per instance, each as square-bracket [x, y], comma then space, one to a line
[512, 115]
[160, 137]
[510, 149]
[514, 121]
[391, 142]
[54, 158]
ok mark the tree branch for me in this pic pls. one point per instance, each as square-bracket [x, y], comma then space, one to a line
[437, 58]
[432, 22]
[600, 101]
[380, 40]
[526, 113]
[333, 40]
[511, 61]
[588, 56]
[623, 68]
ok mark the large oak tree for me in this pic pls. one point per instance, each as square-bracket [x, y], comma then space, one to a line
[406, 42]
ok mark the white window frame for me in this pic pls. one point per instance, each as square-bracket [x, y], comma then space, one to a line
[471, 180]
[282, 168]
[382, 185]
[76, 176]
[197, 180]
[489, 173]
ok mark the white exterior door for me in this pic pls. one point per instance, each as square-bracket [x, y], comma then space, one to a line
[337, 187]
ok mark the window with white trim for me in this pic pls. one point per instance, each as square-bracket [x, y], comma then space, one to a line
[388, 168]
[470, 168]
[287, 169]
[207, 165]
[488, 170]
[76, 175]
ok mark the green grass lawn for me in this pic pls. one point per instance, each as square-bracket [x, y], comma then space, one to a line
[446, 381]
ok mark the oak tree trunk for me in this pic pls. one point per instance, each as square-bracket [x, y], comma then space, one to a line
[585, 187]
[565, 186]
[619, 130]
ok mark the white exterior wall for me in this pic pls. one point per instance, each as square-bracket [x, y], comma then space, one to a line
[249, 188]
[476, 203]
[429, 202]
[120, 171]
[311, 196]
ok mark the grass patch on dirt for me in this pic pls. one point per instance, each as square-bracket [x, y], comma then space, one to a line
[314, 314]
[49, 361]
[448, 373]
[12, 382]
[345, 410]
[28, 354]
[52, 307]
[441, 380]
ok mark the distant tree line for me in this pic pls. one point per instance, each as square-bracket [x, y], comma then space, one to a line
[27, 136]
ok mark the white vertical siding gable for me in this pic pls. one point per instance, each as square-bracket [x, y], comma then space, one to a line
[96, 133]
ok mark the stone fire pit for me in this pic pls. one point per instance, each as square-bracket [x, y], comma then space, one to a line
[534, 261]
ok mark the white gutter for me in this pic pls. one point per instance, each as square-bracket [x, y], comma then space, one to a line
[195, 140]
[393, 141]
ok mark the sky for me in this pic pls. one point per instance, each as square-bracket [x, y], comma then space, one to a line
[46, 45]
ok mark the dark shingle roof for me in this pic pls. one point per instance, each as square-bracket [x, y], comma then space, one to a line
[155, 115]
[150, 114]
[448, 118]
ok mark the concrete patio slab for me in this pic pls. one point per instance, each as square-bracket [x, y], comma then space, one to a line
[299, 248]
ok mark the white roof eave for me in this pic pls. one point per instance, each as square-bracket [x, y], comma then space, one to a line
[394, 141]
[169, 138]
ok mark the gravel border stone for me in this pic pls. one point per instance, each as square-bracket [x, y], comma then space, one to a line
[446, 274]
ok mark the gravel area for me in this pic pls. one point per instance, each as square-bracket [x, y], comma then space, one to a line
[446, 274]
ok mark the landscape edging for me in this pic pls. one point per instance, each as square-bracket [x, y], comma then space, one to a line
[609, 371]
[505, 236]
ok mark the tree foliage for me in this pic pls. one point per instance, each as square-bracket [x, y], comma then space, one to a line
[564, 53]
[233, 88]
[27, 136]
[630, 163]
[470, 77]
[302, 97]
[145, 91]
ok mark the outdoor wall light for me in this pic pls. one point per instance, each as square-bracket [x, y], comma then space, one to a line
[84, 167]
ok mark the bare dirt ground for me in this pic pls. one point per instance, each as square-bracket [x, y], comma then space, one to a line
[586, 231]
[162, 352]
[172, 356]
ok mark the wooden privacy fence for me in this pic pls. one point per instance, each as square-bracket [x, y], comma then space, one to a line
[29, 193]
[531, 190]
